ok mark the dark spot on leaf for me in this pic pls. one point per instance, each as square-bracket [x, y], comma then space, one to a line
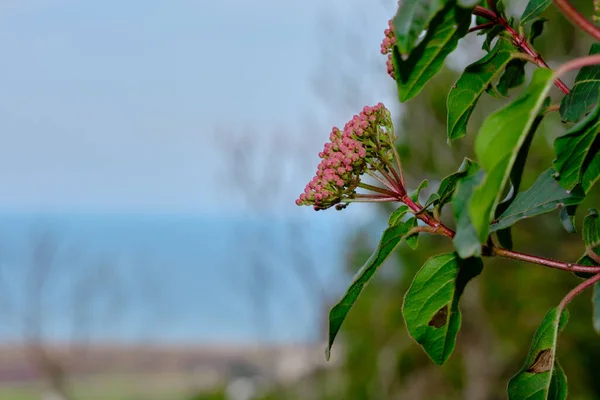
[543, 362]
[440, 318]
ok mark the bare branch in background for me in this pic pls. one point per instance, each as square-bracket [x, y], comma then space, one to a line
[259, 171]
[50, 367]
[88, 287]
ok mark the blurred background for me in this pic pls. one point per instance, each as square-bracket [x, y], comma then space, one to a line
[150, 247]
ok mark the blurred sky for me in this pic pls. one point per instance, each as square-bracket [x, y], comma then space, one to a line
[119, 105]
[184, 107]
[144, 106]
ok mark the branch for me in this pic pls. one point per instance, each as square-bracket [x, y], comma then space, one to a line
[482, 26]
[485, 13]
[491, 250]
[379, 190]
[500, 252]
[577, 19]
[577, 290]
[577, 63]
[519, 41]
[592, 254]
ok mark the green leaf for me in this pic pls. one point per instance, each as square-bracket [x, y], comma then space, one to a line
[567, 218]
[584, 93]
[465, 241]
[490, 35]
[390, 239]
[537, 27]
[573, 147]
[596, 301]
[559, 389]
[497, 145]
[591, 230]
[430, 306]
[591, 239]
[412, 18]
[543, 196]
[434, 198]
[413, 240]
[533, 9]
[448, 184]
[447, 27]
[397, 215]
[513, 76]
[516, 174]
[468, 3]
[472, 83]
[415, 194]
[591, 174]
[541, 377]
[479, 20]
[493, 91]
[501, 7]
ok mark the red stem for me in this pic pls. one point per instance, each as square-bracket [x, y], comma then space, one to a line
[578, 63]
[519, 41]
[515, 255]
[592, 254]
[492, 250]
[424, 216]
[485, 13]
[398, 178]
[577, 19]
[398, 188]
[380, 190]
[482, 26]
[577, 290]
[370, 198]
[386, 182]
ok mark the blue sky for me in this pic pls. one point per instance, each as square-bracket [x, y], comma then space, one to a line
[140, 106]
[118, 105]
[137, 106]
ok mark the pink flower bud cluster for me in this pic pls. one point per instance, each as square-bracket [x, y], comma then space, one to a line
[366, 139]
[387, 47]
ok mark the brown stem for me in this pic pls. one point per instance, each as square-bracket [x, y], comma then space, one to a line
[492, 6]
[500, 252]
[419, 229]
[577, 290]
[526, 57]
[577, 19]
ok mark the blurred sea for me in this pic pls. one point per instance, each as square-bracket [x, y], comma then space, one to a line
[167, 277]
